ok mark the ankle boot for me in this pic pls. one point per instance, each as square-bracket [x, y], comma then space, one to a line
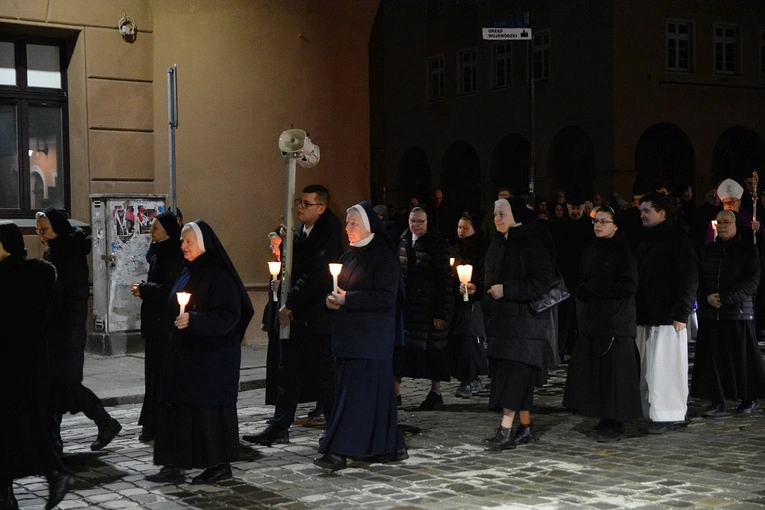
[59, 483]
[501, 440]
[524, 434]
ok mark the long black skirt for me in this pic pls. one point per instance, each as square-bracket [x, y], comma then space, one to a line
[365, 420]
[728, 364]
[604, 378]
[467, 357]
[196, 437]
[512, 384]
[421, 364]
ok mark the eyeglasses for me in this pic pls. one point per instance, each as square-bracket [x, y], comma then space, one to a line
[303, 203]
[41, 231]
[601, 222]
[417, 222]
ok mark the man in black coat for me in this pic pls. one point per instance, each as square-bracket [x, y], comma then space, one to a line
[164, 267]
[308, 351]
[68, 248]
[667, 283]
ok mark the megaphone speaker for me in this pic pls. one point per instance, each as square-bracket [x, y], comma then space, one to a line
[292, 140]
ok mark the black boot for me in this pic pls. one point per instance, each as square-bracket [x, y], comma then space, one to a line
[501, 440]
[524, 434]
[59, 483]
[213, 474]
[269, 436]
[107, 431]
[330, 461]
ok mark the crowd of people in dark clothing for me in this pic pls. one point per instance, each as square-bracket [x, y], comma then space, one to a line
[643, 280]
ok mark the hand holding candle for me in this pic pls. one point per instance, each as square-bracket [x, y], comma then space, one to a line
[465, 272]
[335, 270]
[274, 268]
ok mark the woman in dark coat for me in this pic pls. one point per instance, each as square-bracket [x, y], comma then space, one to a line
[165, 265]
[424, 261]
[604, 373]
[364, 329]
[517, 270]
[198, 425]
[467, 354]
[728, 364]
[68, 248]
[25, 446]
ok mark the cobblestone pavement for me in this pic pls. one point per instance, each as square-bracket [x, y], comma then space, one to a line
[706, 464]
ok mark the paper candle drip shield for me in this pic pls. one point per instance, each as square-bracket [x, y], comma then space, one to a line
[183, 300]
[335, 270]
[465, 273]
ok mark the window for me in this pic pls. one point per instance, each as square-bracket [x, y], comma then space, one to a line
[680, 46]
[436, 78]
[467, 70]
[542, 56]
[33, 138]
[726, 49]
[762, 52]
[502, 65]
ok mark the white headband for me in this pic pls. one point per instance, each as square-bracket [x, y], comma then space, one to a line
[198, 234]
[364, 217]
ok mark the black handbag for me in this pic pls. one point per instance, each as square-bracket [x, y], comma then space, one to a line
[557, 293]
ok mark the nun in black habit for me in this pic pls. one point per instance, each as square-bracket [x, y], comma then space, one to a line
[198, 425]
[365, 326]
[25, 305]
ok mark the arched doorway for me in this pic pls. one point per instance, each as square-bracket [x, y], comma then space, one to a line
[413, 178]
[461, 177]
[664, 155]
[738, 152]
[510, 163]
[571, 158]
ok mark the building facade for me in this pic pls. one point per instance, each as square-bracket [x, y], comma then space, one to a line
[625, 91]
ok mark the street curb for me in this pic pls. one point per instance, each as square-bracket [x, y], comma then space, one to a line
[254, 384]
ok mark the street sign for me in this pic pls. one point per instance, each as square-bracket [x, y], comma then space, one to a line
[516, 34]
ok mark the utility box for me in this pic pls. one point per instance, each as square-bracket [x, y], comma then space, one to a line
[120, 231]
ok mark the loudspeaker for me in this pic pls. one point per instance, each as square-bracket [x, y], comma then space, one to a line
[292, 140]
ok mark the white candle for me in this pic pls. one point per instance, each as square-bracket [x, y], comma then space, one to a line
[451, 261]
[274, 268]
[335, 270]
[465, 272]
[183, 300]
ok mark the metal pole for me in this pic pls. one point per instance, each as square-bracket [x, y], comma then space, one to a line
[532, 118]
[172, 124]
[289, 198]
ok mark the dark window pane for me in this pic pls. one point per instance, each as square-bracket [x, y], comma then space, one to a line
[9, 158]
[45, 158]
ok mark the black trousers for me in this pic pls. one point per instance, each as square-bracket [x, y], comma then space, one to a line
[154, 364]
[304, 359]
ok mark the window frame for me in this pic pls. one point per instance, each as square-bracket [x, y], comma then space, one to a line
[737, 47]
[462, 68]
[24, 97]
[544, 46]
[690, 37]
[429, 73]
[508, 59]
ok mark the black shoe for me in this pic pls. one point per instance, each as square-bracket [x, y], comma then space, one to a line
[465, 390]
[747, 407]
[613, 432]
[213, 474]
[715, 410]
[524, 435]
[317, 411]
[168, 474]
[476, 386]
[106, 432]
[432, 401]
[330, 461]
[59, 483]
[269, 436]
[501, 440]
[661, 427]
